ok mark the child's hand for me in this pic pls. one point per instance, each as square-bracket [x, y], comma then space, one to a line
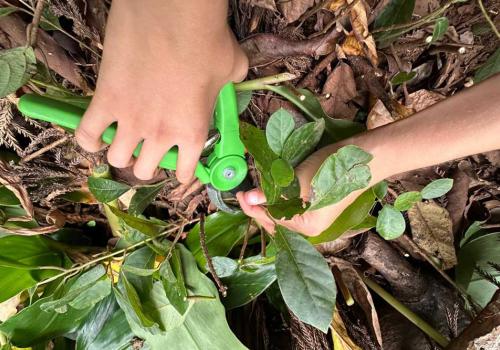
[163, 66]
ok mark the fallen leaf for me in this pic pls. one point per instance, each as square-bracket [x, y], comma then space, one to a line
[379, 115]
[458, 198]
[341, 338]
[359, 22]
[431, 228]
[267, 4]
[351, 46]
[340, 87]
[13, 183]
[422, 99]
[293, 9]
[334, 5]
[360, 293]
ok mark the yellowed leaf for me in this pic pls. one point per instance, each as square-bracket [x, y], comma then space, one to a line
[9, 307]
[431, 228]
[359, 22]
[340, 336]
[351, 46]
[335, 5]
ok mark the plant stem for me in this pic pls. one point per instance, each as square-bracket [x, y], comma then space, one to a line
[102, 171]
[33, 30]
[260, 83]
[488, 18]
[410, 315]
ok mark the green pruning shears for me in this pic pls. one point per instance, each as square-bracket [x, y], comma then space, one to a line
[226, 167]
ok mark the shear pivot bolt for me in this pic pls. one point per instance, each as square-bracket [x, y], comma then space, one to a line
[229, 173]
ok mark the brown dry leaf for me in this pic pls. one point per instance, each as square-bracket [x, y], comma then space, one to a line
[359, 22]
[13, 183]
[379, 115]
[267, 4]
[351, 46]
[422, 99]
[431, 228]
[339, 330]
[334, 5]
[360, 293]
[293, 9]
[340, 86]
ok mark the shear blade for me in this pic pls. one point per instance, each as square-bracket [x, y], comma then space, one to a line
[215, 197]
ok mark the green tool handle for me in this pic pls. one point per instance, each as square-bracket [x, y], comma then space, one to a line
[69, 117]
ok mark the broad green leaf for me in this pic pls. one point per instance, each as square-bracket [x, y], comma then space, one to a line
[390, 223]
[271, 189]
[282, 172]
[489, 68]
[305, 280]
[7, 197]
[224, 266]
[17, 65]
[440, 28]
[406, 200]
[148, 227]
[437, 188]
[287, 208]
[302, 142]
[243, 98]
[402, 77]
[172, 278]
[380, 189]
[143, 197]
[104, 328]
[138, 271]
[49, 20]
[476, 253]
[248, 280]
[222, 231]
[337, 129]
[278, 128]
[5, 11]
[340, 174]
[472, 232]
[396, 12]
[129, 298]
[351, 217]
[29, 251]
[106, 190]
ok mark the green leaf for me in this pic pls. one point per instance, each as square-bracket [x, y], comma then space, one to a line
[278, 128]
[337, 129]
[406, 200]
[131, 299]
[340, 174]
[282, 172]
[223, 266]
[287, 208]
[437, 188]
[29, 251]
[396, 12]
[143, 197]
[402, 77]
[222, 231]
[489, 68]
[148, 227]
[390, 223]
[17, 65]
[440, 28]
[248, 280]
[243, 98]
[305, 280]
[380, 189]
[106, 190]
[49, 20]
[351, 217]
[477, 253]
[104, 328]
[173, 282]
[138, 271]
[472, 232]
[5, 11]
[302, 142]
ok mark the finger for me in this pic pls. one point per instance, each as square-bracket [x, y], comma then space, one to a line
[256, 212]
[94, 122]
[189, 154]
[123, 146]
[151, 154]
[254, 197]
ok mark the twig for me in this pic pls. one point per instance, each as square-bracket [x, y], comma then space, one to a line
[33, 29]
[403, 310]
[262, 243]
[208, 258]
[260, 83]
[176, 239]
[488, 18]
[245, 241]
[43, 150]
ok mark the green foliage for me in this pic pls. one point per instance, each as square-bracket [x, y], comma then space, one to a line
[440, 28]
[282, 172]
[390, 223]
[106, 190]
[305, 280]
[396, 12]
[302, 142]
[286, 209]
[489, 68]
[147, 227]
[341, 173]
[5, 11]
[380, 189]
[8, 198]
[172, 278]
[222, 231]
[278, 129]
[243, 98]
[437, 188]
[17, 65]
[402, 77]
[406, 200]
[143, 197]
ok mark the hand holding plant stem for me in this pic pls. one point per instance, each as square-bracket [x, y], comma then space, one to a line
[162, 68]
[462, 125]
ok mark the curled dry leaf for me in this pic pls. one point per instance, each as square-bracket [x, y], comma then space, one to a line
[379, 115]
[340, 88]
[267, 4]
[56, 218]
[360, 293]
[340, 334]
[422, 99]
[13, 183]
[431, 228]
[293, 9]
[359, 22]
[263, 49]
